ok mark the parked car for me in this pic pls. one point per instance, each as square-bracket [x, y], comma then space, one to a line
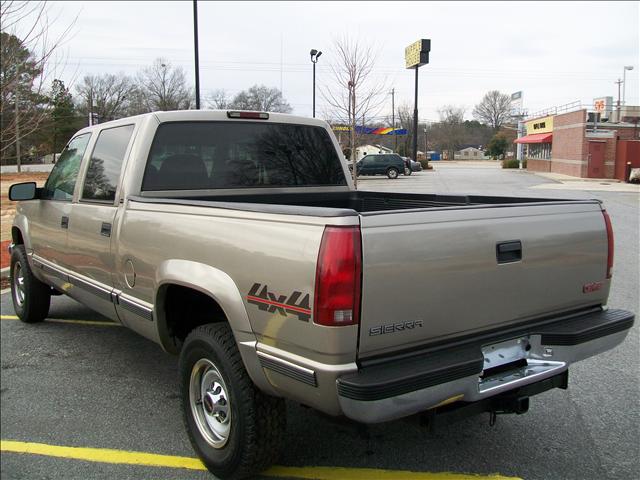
[389, 164]
[412, 165]
[236, 240]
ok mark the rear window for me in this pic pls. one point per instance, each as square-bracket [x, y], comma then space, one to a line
[209, 155]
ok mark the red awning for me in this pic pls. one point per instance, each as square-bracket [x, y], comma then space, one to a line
[535, 138]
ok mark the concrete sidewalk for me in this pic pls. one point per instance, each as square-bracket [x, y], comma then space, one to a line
[566, 182]
[560, 177]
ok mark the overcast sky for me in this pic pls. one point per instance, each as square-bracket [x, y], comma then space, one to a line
[555, 53]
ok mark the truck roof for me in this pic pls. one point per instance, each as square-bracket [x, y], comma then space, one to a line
[210, 115]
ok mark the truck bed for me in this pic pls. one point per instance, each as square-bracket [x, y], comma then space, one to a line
[456, 264]
[345, 203]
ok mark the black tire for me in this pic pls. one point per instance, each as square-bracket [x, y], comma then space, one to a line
[257, 421]
[31, 298]
[407, 172]
[392, 173]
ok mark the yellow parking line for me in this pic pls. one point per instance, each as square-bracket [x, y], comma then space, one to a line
[104, 455]
[63, 320]
[341, 473]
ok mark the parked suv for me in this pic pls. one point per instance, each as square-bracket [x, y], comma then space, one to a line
[388, 164]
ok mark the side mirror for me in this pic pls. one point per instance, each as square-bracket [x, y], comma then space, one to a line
[22, 191]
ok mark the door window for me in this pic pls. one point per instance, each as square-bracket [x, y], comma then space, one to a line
[62, 180]
[105, 164]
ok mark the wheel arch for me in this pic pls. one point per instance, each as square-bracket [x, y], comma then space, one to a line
[222, 291]
[20, 232]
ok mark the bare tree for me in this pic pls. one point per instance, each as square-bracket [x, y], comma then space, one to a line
[218, 99]
[449, 133]
[262, 99]
[106, 95]
[405, 119]
[164, 87]
[351, 92]
[27, 64]
[494, 109]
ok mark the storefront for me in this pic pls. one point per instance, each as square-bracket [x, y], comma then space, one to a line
[581, 148]
[538, 142]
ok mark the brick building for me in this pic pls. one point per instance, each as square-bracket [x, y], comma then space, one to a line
[570, 144]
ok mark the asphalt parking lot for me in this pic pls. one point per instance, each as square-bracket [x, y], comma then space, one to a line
[77, 381]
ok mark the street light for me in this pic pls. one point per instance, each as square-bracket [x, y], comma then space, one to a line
[315, 54]
[195, 52]
[624, 80]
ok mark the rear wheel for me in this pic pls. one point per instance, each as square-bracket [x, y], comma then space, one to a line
[31, 298]
[407, 171]
[235, 429]
[392, 172]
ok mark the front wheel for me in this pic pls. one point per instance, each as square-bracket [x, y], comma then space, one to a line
[392, 173]
[235, 429]
[31, 298]
[407, 171]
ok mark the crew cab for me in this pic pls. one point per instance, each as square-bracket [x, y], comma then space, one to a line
[237, 241]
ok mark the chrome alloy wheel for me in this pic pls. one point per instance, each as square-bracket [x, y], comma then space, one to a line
[209, 399]
[18, 284]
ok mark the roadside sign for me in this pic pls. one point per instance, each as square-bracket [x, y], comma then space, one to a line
[417, 54]
[599, 105]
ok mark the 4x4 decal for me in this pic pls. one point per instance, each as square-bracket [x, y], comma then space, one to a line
[267, 301]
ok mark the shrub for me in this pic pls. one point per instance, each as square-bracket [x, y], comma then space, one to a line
[512, 163]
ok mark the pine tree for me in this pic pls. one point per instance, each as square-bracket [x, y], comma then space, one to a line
[65, 120]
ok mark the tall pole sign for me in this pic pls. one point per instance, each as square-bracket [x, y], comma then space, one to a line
[416, 55]
[195, 49]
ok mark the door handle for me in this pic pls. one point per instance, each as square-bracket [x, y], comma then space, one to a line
[507, 252]
[64, 222]
[105, 229]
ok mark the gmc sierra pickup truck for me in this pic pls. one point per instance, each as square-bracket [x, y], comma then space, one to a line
[237, 241]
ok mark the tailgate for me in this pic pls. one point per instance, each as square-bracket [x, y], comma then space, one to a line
[434, 275]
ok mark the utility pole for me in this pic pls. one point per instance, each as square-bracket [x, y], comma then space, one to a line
[393, 119]
[619, 82]
[55, 139]
[90, 106]
[195, 44]
[18, 166]
[352, 121]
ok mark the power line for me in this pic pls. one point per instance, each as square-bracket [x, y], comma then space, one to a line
[262, 66]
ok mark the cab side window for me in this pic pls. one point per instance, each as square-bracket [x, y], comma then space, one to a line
[62, 180]
[105, 164]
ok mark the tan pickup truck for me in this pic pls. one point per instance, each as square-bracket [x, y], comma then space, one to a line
[237, 240]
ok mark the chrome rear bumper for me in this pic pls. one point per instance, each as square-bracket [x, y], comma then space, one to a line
[475, 372]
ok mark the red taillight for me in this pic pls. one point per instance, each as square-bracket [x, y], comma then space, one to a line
[338, 277]
[607, 222]
[245, 114]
